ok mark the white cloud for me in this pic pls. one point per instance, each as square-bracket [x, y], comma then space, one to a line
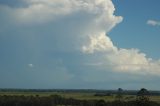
[128, 60]
[120, 59]
[78, 26]
[41, 11]
[99, 42]
[153, 23]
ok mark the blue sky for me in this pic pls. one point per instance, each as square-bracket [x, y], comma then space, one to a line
[134, 27]
[78, 44]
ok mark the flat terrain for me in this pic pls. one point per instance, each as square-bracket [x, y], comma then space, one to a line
[79, 95]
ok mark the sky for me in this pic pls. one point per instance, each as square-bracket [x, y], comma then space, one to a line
[79, 44]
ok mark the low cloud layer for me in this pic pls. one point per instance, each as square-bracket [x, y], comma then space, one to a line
[120, 59]
[74, 32]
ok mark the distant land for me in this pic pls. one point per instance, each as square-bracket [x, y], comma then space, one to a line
[125, 92]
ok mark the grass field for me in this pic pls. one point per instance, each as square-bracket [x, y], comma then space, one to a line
[79, 96]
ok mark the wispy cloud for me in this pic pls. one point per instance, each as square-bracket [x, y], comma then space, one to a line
[153, 23]
[30, 65]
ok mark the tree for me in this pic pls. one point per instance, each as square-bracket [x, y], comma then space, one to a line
[143, 97]
[119, 96]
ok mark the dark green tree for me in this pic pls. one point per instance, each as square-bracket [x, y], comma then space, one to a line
[143, 97]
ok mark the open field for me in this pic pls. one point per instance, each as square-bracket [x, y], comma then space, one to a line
[78, 95]
[64, 97]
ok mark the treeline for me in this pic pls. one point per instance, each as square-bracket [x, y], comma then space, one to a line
[108, 92]
[56, 100]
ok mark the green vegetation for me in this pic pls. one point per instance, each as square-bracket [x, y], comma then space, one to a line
[78, 98]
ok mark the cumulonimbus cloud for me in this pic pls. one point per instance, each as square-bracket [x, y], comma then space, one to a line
[84, 23]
